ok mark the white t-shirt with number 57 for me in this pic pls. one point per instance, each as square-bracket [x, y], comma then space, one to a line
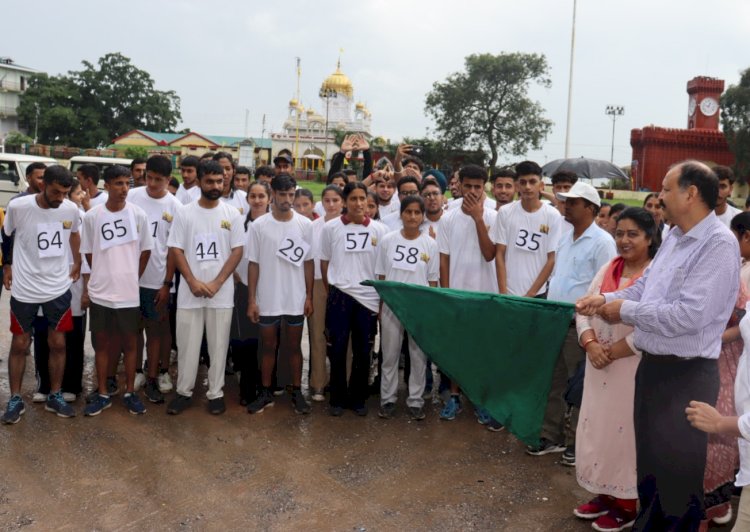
[280, 248]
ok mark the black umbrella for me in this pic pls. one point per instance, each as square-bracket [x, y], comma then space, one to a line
[585, 168]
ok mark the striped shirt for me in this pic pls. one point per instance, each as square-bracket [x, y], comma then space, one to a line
[682, 303]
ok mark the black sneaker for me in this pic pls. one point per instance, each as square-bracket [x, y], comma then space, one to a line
[152, 393]
[301, 406]
[216, 406]
[416, 413]
[13, 411]
[387, 410]
[494, 425]
[336, 411]
[569, 457]
[545, 447]
[112, 386]
[263, 400]
[179, 404]
[361, 411]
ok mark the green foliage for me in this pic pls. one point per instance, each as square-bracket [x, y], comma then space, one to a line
[91, 107]
[618, 183]
[16, 139]
[136, 152]
[487, 105]
[735, 119]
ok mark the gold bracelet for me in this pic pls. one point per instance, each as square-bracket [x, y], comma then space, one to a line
[587, 342]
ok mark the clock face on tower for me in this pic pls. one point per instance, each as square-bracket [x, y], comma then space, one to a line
[709, 106]
[691, 106]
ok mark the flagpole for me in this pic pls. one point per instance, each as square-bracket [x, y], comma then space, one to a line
[570, 82]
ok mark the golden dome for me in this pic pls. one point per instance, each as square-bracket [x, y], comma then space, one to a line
[293, 102]
[310, 112]
[360, 106]
[338, 82]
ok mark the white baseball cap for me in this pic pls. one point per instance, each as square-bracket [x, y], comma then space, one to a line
[581, 190]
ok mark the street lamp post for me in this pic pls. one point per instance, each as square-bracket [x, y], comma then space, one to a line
[614, 111]
[327, 94]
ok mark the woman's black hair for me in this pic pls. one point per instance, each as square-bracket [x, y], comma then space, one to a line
[408, 200]
[371, 194]
[740, 224]
[304, 192]
[352, 186]
[332, 188]
[649, 196]
[645, 222]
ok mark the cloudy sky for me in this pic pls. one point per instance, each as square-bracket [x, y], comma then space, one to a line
[227, 57]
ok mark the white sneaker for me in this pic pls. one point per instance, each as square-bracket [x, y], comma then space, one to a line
[318, 396]
[165, 383]
[140, 381]
[39, 397]
[173, 357]
[69, 397]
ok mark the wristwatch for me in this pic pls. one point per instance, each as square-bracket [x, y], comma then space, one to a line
[170, 284]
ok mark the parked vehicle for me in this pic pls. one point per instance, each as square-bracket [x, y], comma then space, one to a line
[13, 173]
[102, 162]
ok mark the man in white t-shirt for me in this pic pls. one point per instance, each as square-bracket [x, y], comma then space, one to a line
[407, 186]
[503, 186]
[88, 176]
[467, 254]
[280, 285]
[526, 234]
[117, 244]
[189, 190]
[206, 239]
[155, 283]
[39, 278]
[724, 211]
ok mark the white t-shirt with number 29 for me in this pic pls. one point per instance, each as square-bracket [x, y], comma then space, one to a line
[280, 248]
[528, 237]
[207, 237]
[408, 261]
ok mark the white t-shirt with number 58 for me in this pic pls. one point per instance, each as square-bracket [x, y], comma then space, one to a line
[408, 261]
[280, 248]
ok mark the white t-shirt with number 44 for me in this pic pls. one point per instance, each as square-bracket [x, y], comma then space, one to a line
[207, 237]
[41, 269]
[280, 248]
[408, 261]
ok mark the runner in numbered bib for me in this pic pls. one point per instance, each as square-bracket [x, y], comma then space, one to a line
[230, 194]
[409, 255]
[40, 276]
[280, 285]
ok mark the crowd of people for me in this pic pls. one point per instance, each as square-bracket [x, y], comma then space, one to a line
[229, 264]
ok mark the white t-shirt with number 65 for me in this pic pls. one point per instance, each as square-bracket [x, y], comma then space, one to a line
[280, 249]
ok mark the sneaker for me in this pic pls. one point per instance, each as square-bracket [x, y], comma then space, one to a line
[545, 447]
[387, 410]
[69, 397]
[427, 392]
[179, 404]
[263, 400]
[724, 519]
[318, 396]
[494, 425]
[165, 383]
[216, 406]
[336, 411]
[361, 410]
[416, 413]
[614, 521]
[301, 406]
[112, 388]
[13, 411]
[152, 392]
[451, 409]
[483, 416]
[56, 403]
[596, 507]
[278, 391]
[173, 357]
[569, 457]
[140, 381]
[39, 397]
[97, 404]
[133, 403]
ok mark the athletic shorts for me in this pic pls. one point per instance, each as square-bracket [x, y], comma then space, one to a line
[57, 311]
[116, 320]
[291, 321]
[148, 307]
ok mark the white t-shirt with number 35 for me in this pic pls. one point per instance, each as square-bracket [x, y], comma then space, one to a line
[207, 238]
[280, 248]
[408, 261]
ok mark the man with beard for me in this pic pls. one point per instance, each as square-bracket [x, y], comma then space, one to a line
[206, 239]
[503, 186]
[42, 222]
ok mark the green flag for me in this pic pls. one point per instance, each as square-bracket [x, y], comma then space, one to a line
[500, 349]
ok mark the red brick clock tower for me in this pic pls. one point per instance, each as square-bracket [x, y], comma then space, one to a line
[703, 102]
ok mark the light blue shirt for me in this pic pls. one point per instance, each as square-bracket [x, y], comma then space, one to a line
[578, 261]
[682, 303]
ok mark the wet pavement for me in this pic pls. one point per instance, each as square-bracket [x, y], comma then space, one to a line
[270, 471]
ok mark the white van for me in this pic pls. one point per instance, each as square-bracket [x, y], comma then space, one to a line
[102, 162]
[13, 173]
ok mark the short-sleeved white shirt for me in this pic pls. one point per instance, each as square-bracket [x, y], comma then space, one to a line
[207, 237]
[528, 237]
[281, 281]
[458, 239]
[408, 261]
[350, 249]
[114, 270]
[99, 199]
[392, 221]
[160, 213]
[392, 206]
[188, 195]
[41, 250]
[238, 200]
[730, 213]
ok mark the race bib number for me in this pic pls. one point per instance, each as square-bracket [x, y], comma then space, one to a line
[405, 258]
[357, 242]
[49, 240]
[293, 249]
[206, 247]
[117, 229]
[528, 241]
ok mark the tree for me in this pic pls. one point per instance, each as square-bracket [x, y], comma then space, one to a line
[487, 105]
[16, 139]
[91, 107]
[735, 119]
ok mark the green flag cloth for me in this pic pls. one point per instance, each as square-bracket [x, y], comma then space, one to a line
[500, 349]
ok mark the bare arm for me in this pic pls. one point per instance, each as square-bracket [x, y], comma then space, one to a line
[143, 262]
[445, 270]
[543, 275]
[502, 276]
[324, 273]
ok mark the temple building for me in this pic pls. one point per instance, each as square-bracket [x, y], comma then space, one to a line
[310, 133]
[655, 148]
